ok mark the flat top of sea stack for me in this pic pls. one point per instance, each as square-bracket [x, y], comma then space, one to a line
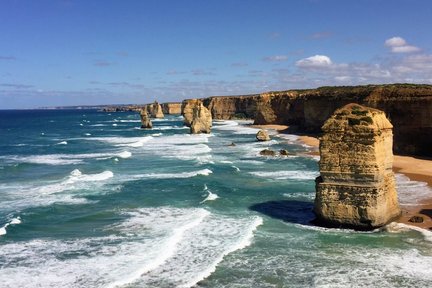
[357, 118]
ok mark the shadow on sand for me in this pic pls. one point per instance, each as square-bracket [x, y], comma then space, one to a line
[299, 212]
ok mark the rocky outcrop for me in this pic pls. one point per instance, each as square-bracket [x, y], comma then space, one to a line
[408, 106]
[171, 108]
[262, 135]
[356, 188]
[155, 110]
[196, 116]
[187, 110]
[145, 120]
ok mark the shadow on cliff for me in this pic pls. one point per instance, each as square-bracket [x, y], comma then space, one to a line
[426, 212]
[299, 212]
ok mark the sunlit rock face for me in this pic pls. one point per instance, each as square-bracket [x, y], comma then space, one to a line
[356, 188]
[145, 120]
[196, 116]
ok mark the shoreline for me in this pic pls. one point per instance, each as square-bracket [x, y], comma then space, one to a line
[414, 168]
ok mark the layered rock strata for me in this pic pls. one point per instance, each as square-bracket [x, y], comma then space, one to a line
[196, 116]
[357, 187]
[171, 108]
[145, 120]
[408, 106]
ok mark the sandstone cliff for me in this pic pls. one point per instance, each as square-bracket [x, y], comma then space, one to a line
[171, 108]
[356, 187]
[408, 106]
[196, 116]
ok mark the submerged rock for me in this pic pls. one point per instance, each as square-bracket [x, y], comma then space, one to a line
[262, 135]
[145, 120]
[416, 219]
[356, 188]
[267, 152]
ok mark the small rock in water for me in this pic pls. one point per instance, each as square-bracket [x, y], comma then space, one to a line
[262, 135]
[284, 152]
[416, 219]
[267, 152]
[232, 144]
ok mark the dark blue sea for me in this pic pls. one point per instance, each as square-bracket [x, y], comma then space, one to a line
[88, 199]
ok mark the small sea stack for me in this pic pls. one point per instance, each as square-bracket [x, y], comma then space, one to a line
[155, 110]
[196, 116]
[262, 135]
[145, 120]
[356, 188]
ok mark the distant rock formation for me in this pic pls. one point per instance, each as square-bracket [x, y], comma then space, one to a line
[155, 110]
[196, 116]
[145, 120]
[357, 187]
[171, 108]
[262, 135]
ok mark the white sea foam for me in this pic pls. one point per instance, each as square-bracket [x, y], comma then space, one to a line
[13, 221]
[124, 154]
[153, 247]
[64, 159]
[210, 196]
[411, 192]
[114, 124]
[282, 175]
[204, 172]
[65, 190]
[62, 143]
[395, 227]
[87, 134]
[236, 168]
[235, 127]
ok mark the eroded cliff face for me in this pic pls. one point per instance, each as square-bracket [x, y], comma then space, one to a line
[196, 116]
[356, 187]
[408, 106]
[171, 108]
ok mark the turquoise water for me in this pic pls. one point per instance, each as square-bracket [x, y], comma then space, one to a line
[87, 199]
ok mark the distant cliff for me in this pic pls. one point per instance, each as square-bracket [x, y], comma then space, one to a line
[408, 106]
[171, 108]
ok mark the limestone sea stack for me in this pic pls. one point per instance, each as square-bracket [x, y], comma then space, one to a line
[356, 188]
[145, 120]
[262, 135]
[155, 110]
[196, 116]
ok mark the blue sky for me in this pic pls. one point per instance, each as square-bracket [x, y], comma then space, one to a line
[98, 52]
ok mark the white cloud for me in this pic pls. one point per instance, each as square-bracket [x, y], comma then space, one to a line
[395, 42]
[276, 58]
[317, 61]
[399, 45]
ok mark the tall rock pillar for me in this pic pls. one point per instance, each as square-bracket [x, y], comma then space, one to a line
[356, 188]
[196, 116]
[145, 119]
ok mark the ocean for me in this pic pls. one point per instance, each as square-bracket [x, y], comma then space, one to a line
[88, 199]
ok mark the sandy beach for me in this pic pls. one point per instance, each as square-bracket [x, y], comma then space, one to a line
[414, 168]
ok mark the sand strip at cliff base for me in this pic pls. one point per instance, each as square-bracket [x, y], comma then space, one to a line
[277, 127]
